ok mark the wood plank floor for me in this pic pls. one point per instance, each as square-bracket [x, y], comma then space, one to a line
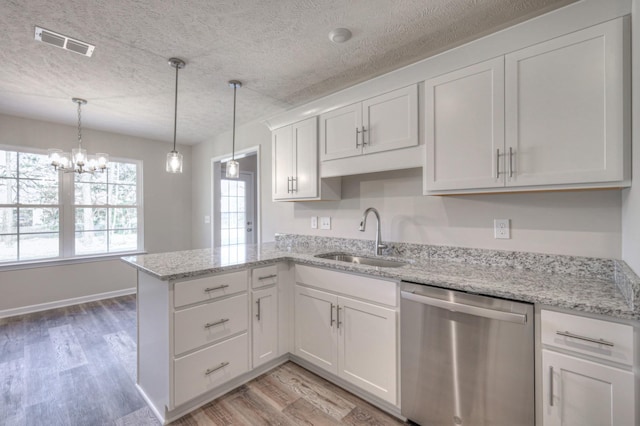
[77, 366]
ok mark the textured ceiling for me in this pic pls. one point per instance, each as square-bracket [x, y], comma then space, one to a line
[279, 49]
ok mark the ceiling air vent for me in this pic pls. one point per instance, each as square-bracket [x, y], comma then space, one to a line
[64, 42]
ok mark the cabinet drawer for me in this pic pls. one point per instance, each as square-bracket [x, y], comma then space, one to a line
[209, 368]
[617, 339]
[262, 277]
[207, 288]
[197, 326]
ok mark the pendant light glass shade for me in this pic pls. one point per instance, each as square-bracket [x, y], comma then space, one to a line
[77, 161]
[174, 158]
[233, 167]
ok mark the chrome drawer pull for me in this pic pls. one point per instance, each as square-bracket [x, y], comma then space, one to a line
[331, 320]
[211, 370]
[586, 339]
[220, 287]
[551, 386]
[213, 324]
[338, 315]
[268, 277]
[258, 314]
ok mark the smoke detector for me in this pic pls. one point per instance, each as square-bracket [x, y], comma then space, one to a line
[63, 42]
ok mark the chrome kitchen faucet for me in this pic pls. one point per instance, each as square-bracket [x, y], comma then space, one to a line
[363, 225]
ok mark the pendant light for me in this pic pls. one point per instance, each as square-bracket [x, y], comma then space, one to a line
[233, 168]
[78, 161]
[174, 158]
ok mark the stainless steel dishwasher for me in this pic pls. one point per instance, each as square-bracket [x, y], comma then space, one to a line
[466, 359]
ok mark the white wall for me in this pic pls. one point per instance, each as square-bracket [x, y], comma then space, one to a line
[167, 210]
[631, 196]
[584, 223]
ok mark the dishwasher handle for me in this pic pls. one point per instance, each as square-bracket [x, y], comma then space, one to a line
[466, 309]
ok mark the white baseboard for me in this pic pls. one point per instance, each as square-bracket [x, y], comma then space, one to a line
[66, 302]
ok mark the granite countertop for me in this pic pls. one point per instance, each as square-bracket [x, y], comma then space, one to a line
[586, 292]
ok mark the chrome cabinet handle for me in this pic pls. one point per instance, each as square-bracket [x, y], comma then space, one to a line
[510, 162]
[338, 315]
[498, 163]
[213, 324]
[268, 277]
[586, 339]
[258, 314]
[220, 287]
[289, 184]
[551, 386]
[357, 133]
[363, 130]
[211, 370]
[331, 316]
[294, 188]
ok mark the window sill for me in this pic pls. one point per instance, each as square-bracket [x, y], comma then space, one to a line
[68, 261]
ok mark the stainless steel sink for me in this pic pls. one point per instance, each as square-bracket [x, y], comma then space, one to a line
[370, 261]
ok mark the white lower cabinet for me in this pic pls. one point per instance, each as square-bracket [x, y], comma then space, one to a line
[352, 339]
[587, 371]
[265, 325]
[579, 392]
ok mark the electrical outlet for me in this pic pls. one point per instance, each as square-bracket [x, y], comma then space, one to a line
[325, 222]
[207, 219]
[501, 229]
[314, 222]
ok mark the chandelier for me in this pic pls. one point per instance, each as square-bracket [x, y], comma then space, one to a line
[77, 161]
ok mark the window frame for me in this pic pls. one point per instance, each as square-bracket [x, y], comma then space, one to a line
[67, 208]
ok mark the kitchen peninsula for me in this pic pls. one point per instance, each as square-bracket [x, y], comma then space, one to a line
[241, 302]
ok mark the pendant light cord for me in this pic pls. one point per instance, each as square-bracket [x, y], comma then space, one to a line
[79, 125]
[233, 144]
[175, 110]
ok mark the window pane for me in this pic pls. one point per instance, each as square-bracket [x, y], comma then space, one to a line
[97, 177]
[241, 220]
[39, 220]
[91, 242]
[121, 218]
[233, 220]
[224, 237]
[8, 248]
[224, 204]
[224, 220]
[8, 190]
[241, 204]
[120, 240]
[122, 194]
[36, 166]
[233, 236]
[233, 204]
[8, 164]
[90, 193]
[241, 188]
[224, 187]
[233, 188]
[122, 173]
[38, 246]
[8, 220]
[35, 191]
[91, 219]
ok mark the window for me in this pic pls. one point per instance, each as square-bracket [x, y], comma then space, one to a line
[45, 214]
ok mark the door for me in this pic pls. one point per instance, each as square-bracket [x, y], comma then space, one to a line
[305, 154]
[315, 331]
[282, 161]
[237, 220]
[465, 128]
[265, 325]
[341, 132]
[367, 347]
[391, 120]
[578, 392]
[565, 108]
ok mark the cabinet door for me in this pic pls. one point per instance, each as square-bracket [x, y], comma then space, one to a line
[282, 162]
[465, 128]
[391, 120]
[577, 392]
[305, 164]
[315, 332]
[367, 347]
[340, 132]
[565, 108]
[265, 325]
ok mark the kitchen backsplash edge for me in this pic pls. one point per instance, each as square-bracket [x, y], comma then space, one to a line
[607, 269]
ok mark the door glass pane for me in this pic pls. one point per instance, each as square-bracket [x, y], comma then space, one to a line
[233, 227]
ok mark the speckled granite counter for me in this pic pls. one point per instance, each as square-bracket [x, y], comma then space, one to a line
[600, 286]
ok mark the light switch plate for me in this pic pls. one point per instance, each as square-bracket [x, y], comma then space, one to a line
[325, 222]
[207, 219]
[314, 222]
[501, 229]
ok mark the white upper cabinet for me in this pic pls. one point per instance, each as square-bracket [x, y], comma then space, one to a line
[554, 115]
[383, 123]
[295, 164]
[465, 127]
